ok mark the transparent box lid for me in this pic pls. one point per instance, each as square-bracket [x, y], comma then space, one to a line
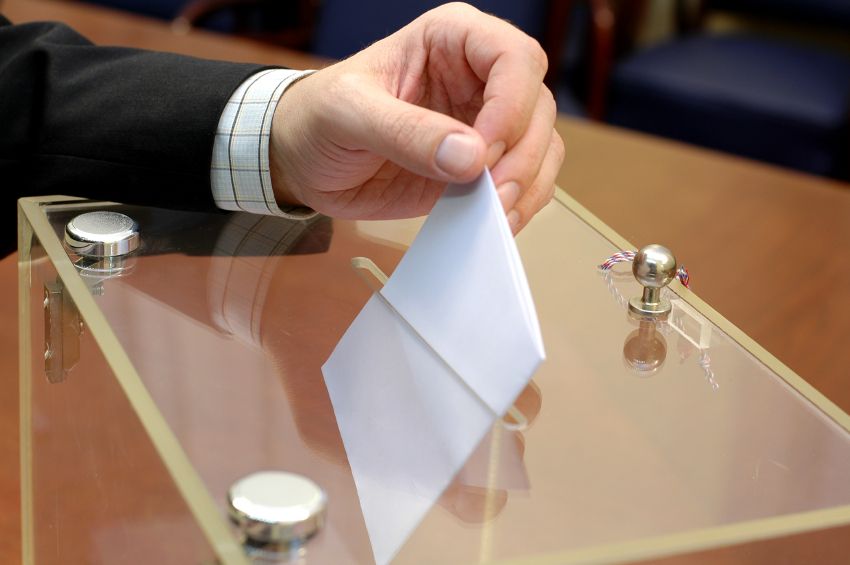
[634, 438]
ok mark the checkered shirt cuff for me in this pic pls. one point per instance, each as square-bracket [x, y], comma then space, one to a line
[240, 176]
[246, 257]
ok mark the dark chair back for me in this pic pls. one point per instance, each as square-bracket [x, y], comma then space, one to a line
[345, 27]
[834, 13]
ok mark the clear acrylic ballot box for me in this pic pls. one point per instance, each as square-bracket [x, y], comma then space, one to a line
[157, 377]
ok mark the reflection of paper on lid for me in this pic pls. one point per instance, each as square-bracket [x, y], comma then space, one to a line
[429, 365]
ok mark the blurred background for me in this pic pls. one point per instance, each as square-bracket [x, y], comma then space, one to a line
[764, 79]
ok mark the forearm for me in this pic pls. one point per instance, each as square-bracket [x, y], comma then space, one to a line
[106, 122]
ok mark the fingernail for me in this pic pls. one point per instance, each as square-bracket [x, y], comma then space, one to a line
[513, 220]
[508, 194]
[456, 154]
[495, 152]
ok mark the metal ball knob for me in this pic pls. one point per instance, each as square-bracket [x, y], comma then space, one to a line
[654, 267]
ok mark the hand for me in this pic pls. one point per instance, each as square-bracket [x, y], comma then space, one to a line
[379, 135]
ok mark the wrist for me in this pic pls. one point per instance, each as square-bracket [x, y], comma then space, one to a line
[286, 141]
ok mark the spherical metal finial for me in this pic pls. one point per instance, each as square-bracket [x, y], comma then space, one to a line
[654, 267]
[277, 509]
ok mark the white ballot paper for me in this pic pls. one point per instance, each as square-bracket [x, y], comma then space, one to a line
[432, 361]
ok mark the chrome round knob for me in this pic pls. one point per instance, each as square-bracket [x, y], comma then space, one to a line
[102, 234]
[276, 508]
[654, 266]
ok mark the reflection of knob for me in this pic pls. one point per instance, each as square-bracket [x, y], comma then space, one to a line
[276, 511]
[654, 267]
[645, 349]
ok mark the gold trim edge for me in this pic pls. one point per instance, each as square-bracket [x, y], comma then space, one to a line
[24, 389]
[683, 543]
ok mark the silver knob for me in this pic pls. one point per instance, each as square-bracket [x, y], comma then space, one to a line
[654, 267]
[102, 234]
[277, 509]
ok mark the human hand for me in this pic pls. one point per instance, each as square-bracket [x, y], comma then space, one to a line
[379, 135]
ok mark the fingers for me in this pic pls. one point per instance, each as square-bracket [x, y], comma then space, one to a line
[465, 66]
[542, 189]
[510, 96]
[520, 166]
[517, 112]
[512, 66]
[425, 142]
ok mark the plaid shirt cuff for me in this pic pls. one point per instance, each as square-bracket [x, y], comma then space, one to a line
[246, 256]
[240, 176]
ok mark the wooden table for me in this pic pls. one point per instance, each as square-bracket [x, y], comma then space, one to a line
[768, 248]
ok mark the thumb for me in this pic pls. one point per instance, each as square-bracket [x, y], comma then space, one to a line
[423, 141]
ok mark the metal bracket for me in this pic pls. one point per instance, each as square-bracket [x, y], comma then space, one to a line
[62, 330]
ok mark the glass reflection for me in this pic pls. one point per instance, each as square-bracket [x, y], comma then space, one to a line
[645, 348]
[260, 289]
[95, 271]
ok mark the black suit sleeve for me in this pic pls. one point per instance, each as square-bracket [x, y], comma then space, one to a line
[105, 122]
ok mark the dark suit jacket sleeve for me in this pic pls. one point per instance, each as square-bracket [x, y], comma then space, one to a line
[106, 122]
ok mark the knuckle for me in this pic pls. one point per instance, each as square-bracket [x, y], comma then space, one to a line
[558, 147]
[517, 107]
[549, 99]
[537, 54]
[544, 197]
[550, 194]
[539, 196]
[526, 178]
[456, 8]
[515, 111]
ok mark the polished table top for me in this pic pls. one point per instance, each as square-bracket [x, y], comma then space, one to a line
[721, 215]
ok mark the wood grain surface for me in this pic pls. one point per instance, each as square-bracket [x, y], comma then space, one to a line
[10, 537]
[765, 246]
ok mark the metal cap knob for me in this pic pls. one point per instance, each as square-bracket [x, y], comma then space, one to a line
[102, 234]
[277, 508]
[654, 267]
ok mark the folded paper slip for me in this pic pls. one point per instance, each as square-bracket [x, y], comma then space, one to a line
[433, 360]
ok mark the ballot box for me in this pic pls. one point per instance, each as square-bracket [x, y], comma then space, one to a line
[172, 374]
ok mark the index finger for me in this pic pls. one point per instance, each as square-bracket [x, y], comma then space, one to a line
[512, 66]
